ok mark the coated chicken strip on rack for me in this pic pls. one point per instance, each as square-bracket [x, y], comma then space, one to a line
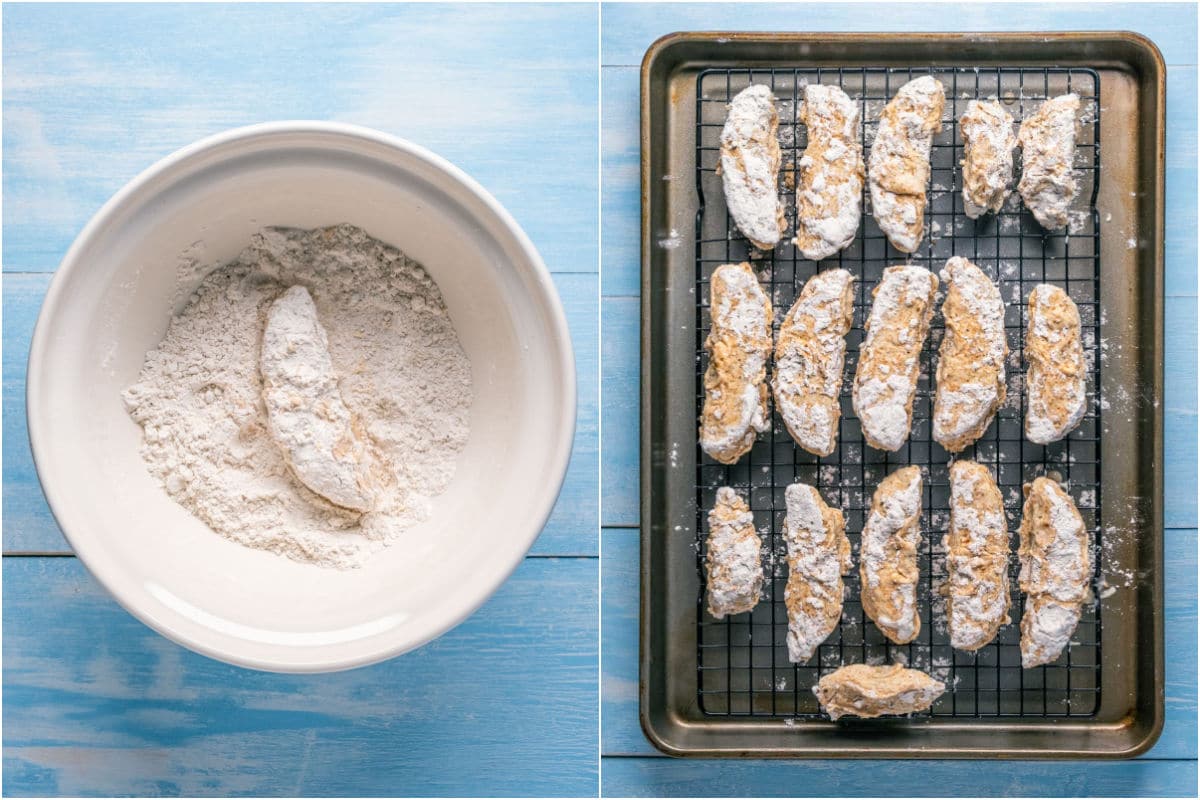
[970, 370]
[749, 166]
[735, 383]
[976, 557]
[734, 559]
[830, 180]
[810, 353]
[1056, 570]
[818, 555]
[1048, 184]
[889, 362]
[987, 163]
[888, 558]
[861, 690]
[898, 166]
[1056, 381]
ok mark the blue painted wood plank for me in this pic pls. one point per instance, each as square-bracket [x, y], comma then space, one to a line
[668, 777]
[29, 527]
[620, 183]
[1180, 244]
[95, 93]
[620, 142]
[622, 734]
[1179, 419]
[621, 366]
[628, 29]
[97, 704]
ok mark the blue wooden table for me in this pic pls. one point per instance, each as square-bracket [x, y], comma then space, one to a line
[94, 702]
[631, 766]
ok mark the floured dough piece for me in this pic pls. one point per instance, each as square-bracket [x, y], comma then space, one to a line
[818, 556]
[987, 163]
[735, 383]
[888, 557]
[1048, 182]
[976, 557]
[899, 170]
[889, 362]
[306, 416]
[970, 370]
[735, 573]
[1057, 376]
[749, 166]
[829, 186]
[809, 356]
[859, 690]
[1056, 568]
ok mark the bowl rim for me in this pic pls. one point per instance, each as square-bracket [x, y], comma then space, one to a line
[57, 500]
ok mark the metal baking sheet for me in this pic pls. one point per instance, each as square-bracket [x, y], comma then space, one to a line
[726, 687]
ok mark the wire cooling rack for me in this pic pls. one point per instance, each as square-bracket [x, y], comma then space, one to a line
[742, 660]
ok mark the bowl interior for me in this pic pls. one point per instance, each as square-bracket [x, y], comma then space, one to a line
[111, 303]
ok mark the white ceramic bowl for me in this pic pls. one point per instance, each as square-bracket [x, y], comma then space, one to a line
[109, 303]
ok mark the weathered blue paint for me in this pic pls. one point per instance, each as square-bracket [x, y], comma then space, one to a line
[95, 703]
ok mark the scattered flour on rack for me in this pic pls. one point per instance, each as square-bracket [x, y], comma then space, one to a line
[403, 376]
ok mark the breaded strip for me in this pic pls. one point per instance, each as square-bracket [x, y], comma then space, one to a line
[970, 370]
[899, 170]
[987, 163]
[735, 383]
[809, 356]
[859, 690]
[888, 557]
[818, 554]
[1056, 569]
[1048, 182]
[735, 573]
[1056, 380]
[749, 166]
[320, 439]
[829, 186]
[889, 361]
[976, 557]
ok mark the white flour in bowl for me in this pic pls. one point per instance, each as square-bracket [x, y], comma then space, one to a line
[402, 373]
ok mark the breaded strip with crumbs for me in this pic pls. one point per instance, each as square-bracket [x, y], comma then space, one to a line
[898, 167]
[860, 690]
[735, 383]
[734, 560]
[810, 354]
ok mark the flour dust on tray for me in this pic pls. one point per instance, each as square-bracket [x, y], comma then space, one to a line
[310, 399]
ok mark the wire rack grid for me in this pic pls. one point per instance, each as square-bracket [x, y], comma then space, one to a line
[743, 666]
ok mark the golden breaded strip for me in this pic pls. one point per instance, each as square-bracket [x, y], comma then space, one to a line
[1056, 569]
[970, 370]
[809, 356]
[888, 558]
[987, 163]
[976, 557]
[735, 573]
[899, 170]
[859, 690]
[1047, 140]
[749, 166]
[829, 185]
[735, 383]
[818, 557]
[889, 361]
[1057, 375]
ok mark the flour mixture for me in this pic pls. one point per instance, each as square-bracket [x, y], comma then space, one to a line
[402, 374]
